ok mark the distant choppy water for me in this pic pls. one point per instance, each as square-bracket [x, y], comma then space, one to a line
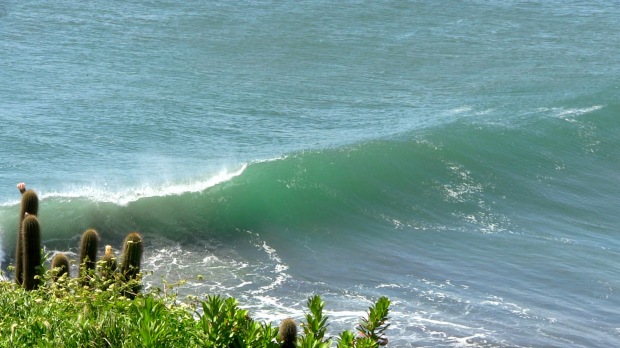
[461, 158]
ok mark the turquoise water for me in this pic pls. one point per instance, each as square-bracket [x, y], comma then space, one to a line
[462, 159]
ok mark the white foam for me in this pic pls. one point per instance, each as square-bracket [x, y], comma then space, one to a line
[510, 307]
[107, 193]
[10, 203]
[393, 286]
[124, 197]
[437, 322]
[570, 113]
[279, 269]
[578, 111]
[460, 110]
[472, 340]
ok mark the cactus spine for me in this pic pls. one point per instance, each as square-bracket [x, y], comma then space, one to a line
[130, 264]
[31, 244]
[88, 254]
[29, 206]
[60, 261]
[288, 333]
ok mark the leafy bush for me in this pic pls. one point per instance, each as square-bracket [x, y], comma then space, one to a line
[65, 313]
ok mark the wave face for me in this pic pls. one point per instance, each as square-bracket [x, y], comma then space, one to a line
[482, 175]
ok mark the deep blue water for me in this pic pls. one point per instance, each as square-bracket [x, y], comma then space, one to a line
[462, 159]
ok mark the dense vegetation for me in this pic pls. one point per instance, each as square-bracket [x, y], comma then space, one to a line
[74, 312]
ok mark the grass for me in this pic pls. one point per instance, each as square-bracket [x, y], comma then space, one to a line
[67, 314]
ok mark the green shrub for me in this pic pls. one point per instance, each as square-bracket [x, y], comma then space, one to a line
[315, 326]
[375, 325]
[65, 314]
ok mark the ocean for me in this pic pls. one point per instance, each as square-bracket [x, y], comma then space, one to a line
[460, 158]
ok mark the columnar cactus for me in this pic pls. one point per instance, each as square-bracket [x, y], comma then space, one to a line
[288, 333]
[88, 253]
[31, 245]
[60, 261]
[130, 264]
[108, 263]
[29, 206]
